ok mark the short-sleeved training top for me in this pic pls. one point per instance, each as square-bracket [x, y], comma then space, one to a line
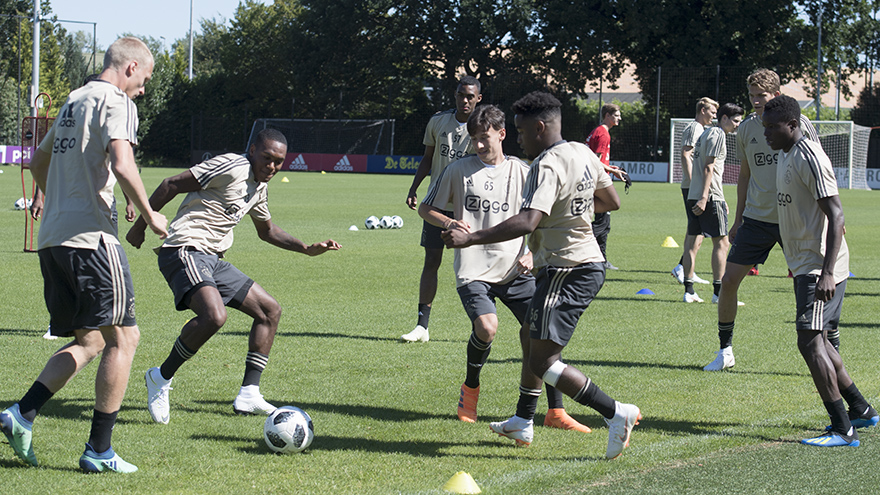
[689, 137]
[450, 140]
[711, 143]
[206, 217]
[805, 175]
[483, 196]
[561, 184]
[600, 142]
[79, 202]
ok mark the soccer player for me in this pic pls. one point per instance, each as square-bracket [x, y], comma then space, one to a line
[219, 193]
[600, 142]
[706, 198]
[446, 140]
[706, 109]
[486, 189]
[88, 285]
[755, 228]
[811, 226]
[565, 184]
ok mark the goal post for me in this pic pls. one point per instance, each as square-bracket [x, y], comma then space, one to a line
[845, 143]
[339, 136]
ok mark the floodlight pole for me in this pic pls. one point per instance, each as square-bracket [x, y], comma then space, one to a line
[189, 71]
[819, 64]
[35, 78]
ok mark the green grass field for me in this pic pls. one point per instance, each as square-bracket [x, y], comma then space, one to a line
[384, 412]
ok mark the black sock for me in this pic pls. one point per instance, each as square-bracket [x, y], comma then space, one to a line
[725, 334]
[34, 399]
[554, 397]
[857, 404]
[527, 403]
[424, 314]
[179, 354]
[689, 285]
[716, 287]
[834, 338]
[839, 419]
[254, 364]
[477, 354]
[102, 428]
[592, 396]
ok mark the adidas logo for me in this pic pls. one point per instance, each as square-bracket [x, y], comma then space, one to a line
[66, 119]
[343, 165]
[753, 141]
[470, 182]
[298, 163]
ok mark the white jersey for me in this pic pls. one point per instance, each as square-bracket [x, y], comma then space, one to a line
[206, 217]
[483, 196]
[805, 175]
[712, 143]
[689, 137]
[560, 184]
[752, 147]
[450, 140]
[79, 204]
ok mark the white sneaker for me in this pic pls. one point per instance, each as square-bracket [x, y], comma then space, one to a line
[519, 429]
[48, 335]
[678, 273]
[419, 334]
[691, 298]
[250, 401]
[724, 359]
[698, 280]
[620, 427]
[715, 301]
[157, 396]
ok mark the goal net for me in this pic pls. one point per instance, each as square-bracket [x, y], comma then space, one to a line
[845, 143]
[332, 136]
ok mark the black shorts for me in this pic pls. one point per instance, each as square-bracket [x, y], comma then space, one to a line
[87, 288]
[713, 221]
[813, 314]
[186, 269]
[478, 298]
[431, 234]
[753, 242]
[562, 294]
[691, 217]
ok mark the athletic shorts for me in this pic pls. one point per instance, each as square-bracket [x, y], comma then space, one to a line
[691, 217]
[431, 234]
[713, 221]
[87, 288]
[186, 269]
[478, 297]
[813, 314]
[753, 242]
[562, 294]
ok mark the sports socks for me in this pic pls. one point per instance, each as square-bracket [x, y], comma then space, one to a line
[102, 428]
[424, 314]
[839, 418]
[716, 287]
[528, 402]
[254, 364]
[689, 285]
[554, 397]
[852, 396]
[834, 338]
[725, 334]
[592, 396]
[34, 399]
[180, 354]
[477, 354]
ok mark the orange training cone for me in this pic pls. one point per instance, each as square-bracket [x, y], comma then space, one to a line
[462, 482]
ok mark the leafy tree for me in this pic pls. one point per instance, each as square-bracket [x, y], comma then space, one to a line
[867, 110]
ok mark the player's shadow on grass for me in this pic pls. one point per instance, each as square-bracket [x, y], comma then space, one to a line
[82, 409]
[716, 428]
[586, 363]
[20, 332]
[321, 335]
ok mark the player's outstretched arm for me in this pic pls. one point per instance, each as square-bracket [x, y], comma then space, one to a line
[169, 188]
[435, 217]
[276, 236]
[124, 168]
[523, 223]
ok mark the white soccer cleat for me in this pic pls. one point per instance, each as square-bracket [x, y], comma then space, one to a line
[251, 402]
[518, 429]
[691, 298]
[419, 334]
[626, 416]
[48, 335]
[715, 301]
[724, 359]
[157, 396]
[698, 280]
[678, 273]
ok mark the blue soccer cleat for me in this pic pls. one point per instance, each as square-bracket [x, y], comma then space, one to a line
[19, 433]
[93, 462]
[832, 439]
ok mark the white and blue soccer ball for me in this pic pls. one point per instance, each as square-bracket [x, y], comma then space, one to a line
[386, 222]
[372, 222]
[396, 222]
[288, 430]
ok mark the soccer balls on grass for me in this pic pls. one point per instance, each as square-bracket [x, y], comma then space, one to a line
[396, 222]
[371, 222]
[288, 430]
[386, 222]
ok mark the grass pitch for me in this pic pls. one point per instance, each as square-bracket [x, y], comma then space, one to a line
[384, 412]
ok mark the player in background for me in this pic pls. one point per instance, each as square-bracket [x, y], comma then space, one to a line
[88, 286]
[755, 228]
[565, 184]
[600, 142]
[486, 189]
[219, 193]
[706, 198]
[446, 140]
[811, 224]
[706, 109]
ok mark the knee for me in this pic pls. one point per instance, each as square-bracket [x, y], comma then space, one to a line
[539, 365]
[272, 311]
[214, 318]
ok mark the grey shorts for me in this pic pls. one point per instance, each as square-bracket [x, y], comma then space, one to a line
[713, 221]
[478, 298]
[431, 234]
[753, 242]
[813, 314]
[87, 288]
[562, 294]
[186, 269]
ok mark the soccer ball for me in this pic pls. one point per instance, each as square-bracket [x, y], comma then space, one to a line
[289, 429]
[386, 222]
[396, 222]
[371, 222]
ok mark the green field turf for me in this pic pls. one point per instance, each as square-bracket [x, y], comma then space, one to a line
[384, 412]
